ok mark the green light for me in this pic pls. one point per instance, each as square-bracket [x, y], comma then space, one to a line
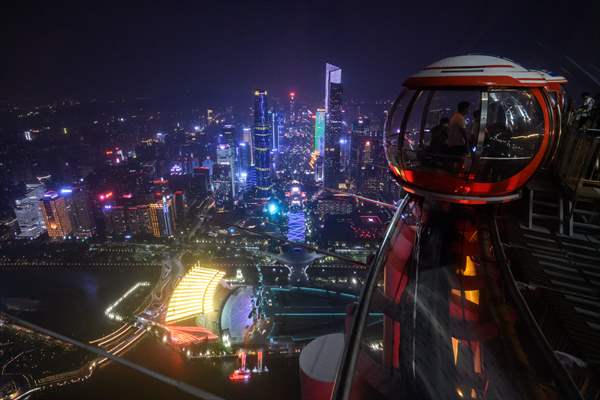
[319, 130]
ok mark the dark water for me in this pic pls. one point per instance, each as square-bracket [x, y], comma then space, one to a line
[114, 381]
[73, 303]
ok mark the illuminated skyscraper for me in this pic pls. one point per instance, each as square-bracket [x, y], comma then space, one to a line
[56, 217]
[28, 212]
[319, 143]
[292, 107]
[278, 126]
[262, 146]
[333, 129]
[162, 217]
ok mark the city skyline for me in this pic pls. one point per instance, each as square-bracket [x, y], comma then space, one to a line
[307, 201]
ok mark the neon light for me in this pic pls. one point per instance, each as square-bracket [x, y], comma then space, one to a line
[319, 141]
[194, 294]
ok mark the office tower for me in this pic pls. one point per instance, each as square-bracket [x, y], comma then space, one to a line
[319, 143]
[227, 134]
[200, 182]
[179, 202]
[56, 217]
[247, 137]
[243, 156]
[162, 217]
[225, 148]
[225, 154]
[115, 219]
[223, 186]
[333, 130]
[28, 212]
[80, 212]
[243, 164]
[292, 108]
[138, 219]
[277, 126]
[262, 146]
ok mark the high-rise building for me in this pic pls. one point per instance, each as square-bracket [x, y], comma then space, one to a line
[179, 202]
[319, 143]
[162, 217]
[223, 185]
[244, 156]
[138, 219]
[227, 134]
[243, 164]
[262, 146]
[28, 212]
[115, 219]
[225, 154]
[277, 126]
[292, 107]
[200, 182]
[56, 217]
[80, 212]
[333, 130]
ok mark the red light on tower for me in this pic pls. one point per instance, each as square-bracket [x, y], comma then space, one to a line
[292, 94]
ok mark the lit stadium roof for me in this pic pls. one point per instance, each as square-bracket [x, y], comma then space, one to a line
[194, 294]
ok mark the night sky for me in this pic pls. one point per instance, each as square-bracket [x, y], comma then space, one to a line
[219, 53]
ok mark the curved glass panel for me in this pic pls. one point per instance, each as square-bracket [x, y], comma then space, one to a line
[394, 124]
[468, 134]
[449, 329]
[439, 132]
[513, 134]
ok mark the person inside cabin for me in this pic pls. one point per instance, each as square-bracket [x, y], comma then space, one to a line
[475, 128]
[457, 130]
[439, 137]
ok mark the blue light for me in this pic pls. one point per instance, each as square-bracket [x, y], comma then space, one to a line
[272, 208]
[107, 207]
[66, 191]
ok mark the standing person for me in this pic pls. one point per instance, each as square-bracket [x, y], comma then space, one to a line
[439, 137]
[457, 130]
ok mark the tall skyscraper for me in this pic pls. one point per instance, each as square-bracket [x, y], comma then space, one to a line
[333, 130]
[56, 217]
[278, 126]
[262, 146]
[292, 107]
[29, 214]
[319, 143]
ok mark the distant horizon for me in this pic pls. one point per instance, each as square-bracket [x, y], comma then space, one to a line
[224, 50]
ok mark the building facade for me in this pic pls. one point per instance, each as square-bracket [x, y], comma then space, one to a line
[333, 169]
[56, 216]
[29, 214]
[262, 146]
